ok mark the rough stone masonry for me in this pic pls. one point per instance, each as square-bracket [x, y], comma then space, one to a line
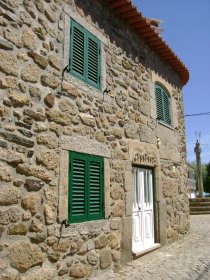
[45, 112]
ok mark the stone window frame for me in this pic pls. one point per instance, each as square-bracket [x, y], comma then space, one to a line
[156, 79]
[87, 146]
[69, 14]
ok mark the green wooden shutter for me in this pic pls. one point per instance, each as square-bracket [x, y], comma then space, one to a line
[85, 187]
[77, 50]
[166, 104]
[85, 55]
[93, 61]
[163, 105]
[159, 103]
[77, 190]
[95, 187]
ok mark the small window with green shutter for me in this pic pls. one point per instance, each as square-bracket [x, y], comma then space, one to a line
[86, 187]
[85, 55]
[163, 105]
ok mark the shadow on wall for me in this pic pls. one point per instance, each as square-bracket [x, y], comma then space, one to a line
[126, 39]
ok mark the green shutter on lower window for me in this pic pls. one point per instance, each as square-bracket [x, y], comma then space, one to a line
[95, 187]
[77, 190]
[86, 187]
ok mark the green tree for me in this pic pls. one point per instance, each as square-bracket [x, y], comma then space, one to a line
[206, 181]
[204, 174]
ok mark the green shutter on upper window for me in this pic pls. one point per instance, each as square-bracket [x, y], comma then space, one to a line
[166, 104]
[85, 55]
[163, 105]
[159, 103]
[95, 187]
[77, 50]
[93, 61]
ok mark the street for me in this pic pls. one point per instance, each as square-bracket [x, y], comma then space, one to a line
[186, 259]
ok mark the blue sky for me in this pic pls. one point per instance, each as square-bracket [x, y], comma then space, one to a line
[187, 31]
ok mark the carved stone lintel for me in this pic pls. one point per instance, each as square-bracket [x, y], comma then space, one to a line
[144, 159]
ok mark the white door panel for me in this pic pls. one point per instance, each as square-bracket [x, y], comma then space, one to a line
[143, 216]
[148, 225]
[137, 229]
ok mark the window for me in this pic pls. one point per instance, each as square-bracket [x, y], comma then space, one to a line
[163, 105]
[86, 187]
[85, 55]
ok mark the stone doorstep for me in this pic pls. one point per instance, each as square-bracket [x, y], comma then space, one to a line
[145, 251]
[199, 204]
[200, 208]
[199, 212]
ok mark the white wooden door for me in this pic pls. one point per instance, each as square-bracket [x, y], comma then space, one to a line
[143, 216]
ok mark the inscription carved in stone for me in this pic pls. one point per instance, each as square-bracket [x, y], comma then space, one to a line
[144, 158]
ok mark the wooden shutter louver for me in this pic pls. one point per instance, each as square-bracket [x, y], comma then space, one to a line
[85, 56]
[166, 108]
[95, 189]
[159, 103]
[93, 65]
[77, 60]
[85, 188]
[163, 105]
[77, 193]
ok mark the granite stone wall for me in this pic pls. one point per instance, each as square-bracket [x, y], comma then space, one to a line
[40, 103]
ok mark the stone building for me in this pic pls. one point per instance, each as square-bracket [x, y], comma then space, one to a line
[92, 141]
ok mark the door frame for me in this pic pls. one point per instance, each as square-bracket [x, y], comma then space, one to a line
[153, 200]
[144, 155]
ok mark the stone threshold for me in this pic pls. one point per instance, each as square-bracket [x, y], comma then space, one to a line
[145, 251]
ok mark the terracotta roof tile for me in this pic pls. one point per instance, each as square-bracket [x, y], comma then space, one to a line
[129, 13]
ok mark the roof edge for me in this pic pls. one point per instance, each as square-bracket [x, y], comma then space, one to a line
[129, 13]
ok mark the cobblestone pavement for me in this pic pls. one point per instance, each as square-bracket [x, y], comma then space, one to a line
[186, 259]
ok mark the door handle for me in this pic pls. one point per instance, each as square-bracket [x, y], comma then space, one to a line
[139, 208]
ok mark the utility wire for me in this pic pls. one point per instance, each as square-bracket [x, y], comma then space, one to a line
[199, 114]
[192, 143]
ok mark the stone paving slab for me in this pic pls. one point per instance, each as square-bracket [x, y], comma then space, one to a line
[186, 259]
